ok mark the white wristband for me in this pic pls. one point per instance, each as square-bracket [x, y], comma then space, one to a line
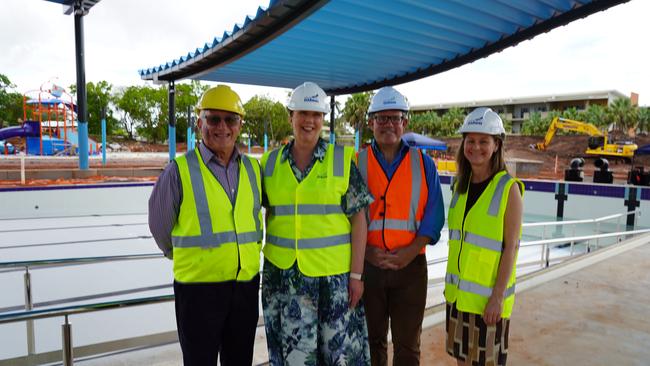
[356, 276]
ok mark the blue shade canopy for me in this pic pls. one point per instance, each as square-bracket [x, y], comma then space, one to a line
[347, 46]
[424, 142]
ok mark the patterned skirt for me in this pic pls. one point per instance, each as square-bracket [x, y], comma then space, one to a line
[469, 337]
[308, 321]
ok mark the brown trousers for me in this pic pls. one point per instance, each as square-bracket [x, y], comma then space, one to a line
[398, 297]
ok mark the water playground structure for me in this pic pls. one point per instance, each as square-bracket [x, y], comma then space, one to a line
[49, 124]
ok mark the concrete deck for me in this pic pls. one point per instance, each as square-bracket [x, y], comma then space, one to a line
[591, 310]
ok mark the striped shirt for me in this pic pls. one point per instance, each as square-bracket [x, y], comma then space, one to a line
[167, 194]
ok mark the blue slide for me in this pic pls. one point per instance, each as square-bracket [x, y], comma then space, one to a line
[28, 129]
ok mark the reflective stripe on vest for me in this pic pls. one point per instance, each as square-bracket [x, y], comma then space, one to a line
[306, 222]
[475, 288]
[314, 243]
[208, 239]
[412, 224]
[305, 209]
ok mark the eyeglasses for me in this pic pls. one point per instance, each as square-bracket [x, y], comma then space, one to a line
[214, 120]
[383, 120]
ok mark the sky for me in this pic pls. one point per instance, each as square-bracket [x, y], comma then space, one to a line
[605, 51]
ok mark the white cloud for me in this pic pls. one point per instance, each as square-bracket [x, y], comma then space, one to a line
[604, 51]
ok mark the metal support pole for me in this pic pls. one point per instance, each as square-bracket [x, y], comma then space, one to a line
[332, 133]
[548, 254]
[66, 336]
[29, 305]
[82, 114]
[172, 120]
[266, 138]
[104, 136]
[190, 127]
[561, 196]
[633, 196]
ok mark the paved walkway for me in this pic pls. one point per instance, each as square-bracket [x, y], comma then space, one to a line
[593, 310]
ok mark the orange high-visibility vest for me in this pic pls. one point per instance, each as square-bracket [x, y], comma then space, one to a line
[394, 217]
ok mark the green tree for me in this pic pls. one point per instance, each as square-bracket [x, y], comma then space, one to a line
[538, 125]
[11, 103]
[186, 95]
[573, 114]
[262, 111]
[451, 121]
[355, 112]
[597, 115]
[139, 106]
[427, 123]
[643, 116]
[99, 96]
[623, 114]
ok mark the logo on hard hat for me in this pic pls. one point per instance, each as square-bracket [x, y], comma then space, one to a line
[478, 121]
[390, 100]
[313, 98]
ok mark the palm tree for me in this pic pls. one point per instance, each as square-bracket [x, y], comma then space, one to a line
[355, 110]
[623, 114]
[452, 120]
[643, 116]
[427, 123]
[596, 115]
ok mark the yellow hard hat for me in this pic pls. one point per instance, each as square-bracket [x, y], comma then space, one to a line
[221, 97]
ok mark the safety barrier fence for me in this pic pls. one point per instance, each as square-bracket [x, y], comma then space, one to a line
[13, 314]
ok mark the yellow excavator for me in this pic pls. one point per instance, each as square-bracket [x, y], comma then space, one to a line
[598, 144]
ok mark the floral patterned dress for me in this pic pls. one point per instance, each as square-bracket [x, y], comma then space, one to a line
[307, 319]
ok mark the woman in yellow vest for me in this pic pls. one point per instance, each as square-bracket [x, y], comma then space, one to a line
[315, 243]
[484, 230]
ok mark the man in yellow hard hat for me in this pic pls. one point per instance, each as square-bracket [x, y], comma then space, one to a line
[204, 213]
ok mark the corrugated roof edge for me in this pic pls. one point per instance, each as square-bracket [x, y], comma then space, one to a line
[522, 35]
[276, 18]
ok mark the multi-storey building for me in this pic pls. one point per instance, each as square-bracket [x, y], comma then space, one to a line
[519, 109]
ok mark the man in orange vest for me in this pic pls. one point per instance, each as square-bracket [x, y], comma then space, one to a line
[407, 214]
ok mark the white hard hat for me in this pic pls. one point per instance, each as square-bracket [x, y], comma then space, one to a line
[388, 98]
[308, 97]
[483, 120]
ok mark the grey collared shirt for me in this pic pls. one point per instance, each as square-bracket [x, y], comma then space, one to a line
[167, 194]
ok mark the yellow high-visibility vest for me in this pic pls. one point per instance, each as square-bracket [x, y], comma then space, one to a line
[305, 220]
[475, 247]
[212, 240]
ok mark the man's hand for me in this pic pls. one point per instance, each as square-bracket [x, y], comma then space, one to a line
[400, 258]
[355, 291]
[374, 255]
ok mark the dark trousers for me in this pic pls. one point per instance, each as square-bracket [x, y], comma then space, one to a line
[401, 297]
[217, 320]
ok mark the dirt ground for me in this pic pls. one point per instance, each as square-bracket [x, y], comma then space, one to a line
[554, 160]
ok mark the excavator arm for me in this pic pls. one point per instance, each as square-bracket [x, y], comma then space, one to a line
[567, 125]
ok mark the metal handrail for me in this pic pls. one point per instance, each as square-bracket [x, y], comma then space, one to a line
[565, 240]
[61, 262]
[80, 309]
[582, 221]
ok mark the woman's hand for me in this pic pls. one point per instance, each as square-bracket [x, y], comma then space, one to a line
[355, 291]
[493, 309]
